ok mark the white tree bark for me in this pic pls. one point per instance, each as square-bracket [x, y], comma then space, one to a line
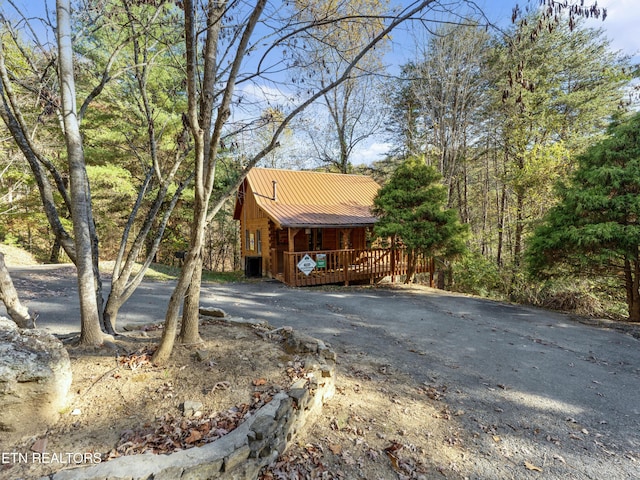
[90, 331]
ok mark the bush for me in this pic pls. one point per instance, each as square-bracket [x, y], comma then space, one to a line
[477, 275]
[593, 298]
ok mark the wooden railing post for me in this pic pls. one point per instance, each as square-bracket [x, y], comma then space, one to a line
[346, 263]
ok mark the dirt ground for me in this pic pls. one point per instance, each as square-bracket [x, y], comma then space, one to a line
[379, 424]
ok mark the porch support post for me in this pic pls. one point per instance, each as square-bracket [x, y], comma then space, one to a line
[292, 233]
[346, 235]
[292, 261]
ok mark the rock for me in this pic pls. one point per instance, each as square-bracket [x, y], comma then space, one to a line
[35, 377]
[212, 312]
[190, 408]
[203, 355]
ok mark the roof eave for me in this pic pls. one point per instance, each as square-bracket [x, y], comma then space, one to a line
[323, 225]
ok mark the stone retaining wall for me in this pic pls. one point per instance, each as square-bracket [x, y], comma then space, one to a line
[257, 442]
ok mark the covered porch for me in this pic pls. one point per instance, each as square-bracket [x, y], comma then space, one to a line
[320, 267]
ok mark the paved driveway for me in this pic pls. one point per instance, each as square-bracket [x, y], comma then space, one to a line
[547, 385]
[551, 388]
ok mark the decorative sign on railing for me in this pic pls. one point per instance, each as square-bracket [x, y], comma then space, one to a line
[306, 265]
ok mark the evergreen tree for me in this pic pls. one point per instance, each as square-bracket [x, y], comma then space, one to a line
[411, 206]
[595, 228]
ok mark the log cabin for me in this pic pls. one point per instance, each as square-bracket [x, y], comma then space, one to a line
[312, 228]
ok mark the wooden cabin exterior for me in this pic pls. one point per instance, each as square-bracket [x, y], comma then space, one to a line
[311, 228]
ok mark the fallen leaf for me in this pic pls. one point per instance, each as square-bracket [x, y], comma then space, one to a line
[559, 458]
[531, 466]
[259, 381]
[335, 449]
[393, 447]
[394, 460]
[194, 436]
[40, 445]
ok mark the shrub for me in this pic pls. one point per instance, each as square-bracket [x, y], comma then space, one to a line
[476, 275]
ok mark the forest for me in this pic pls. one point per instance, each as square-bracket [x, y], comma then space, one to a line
[128, 126]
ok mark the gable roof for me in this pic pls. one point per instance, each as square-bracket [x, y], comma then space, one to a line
[312, 199]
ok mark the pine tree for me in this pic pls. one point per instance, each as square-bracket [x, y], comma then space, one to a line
[411, 206]
[595, 229]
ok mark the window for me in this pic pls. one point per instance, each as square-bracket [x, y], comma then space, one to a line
[259, 241]
[315, 239]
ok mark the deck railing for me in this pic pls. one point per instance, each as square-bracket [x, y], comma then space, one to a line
[350, 265]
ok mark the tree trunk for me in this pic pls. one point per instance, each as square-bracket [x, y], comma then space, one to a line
[162, 354]
[54, 257]
[112, 307]
[189, 331]
[90, 331]
[12, 117]
[501, 214]
[9, 296]
[411, 266]
[632, 283]
[517, 246]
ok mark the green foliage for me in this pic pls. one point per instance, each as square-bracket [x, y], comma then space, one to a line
[113, 193]
[10, 239]
[596, 223]
[411, 206]
[595, 227]
[477, 275]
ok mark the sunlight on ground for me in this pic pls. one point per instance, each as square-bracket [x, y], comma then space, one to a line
[539, 402]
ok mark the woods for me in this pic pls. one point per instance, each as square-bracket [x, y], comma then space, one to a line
[594, 230]
[127, 136]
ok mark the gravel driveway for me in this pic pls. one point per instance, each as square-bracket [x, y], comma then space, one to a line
[545, 387]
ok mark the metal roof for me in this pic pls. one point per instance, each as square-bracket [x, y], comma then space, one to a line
[313, 199]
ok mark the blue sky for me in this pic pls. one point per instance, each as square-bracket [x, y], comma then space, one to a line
[621, 24]
[621, 27]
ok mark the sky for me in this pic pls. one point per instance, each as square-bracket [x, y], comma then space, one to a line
[623, 17]
[620, 26]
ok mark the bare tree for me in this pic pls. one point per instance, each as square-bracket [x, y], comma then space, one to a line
[142, 36]
[207, 141]
[440, 102]
[349, 114]
[82, 247]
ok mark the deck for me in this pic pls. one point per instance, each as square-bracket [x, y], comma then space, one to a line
[347, 266]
